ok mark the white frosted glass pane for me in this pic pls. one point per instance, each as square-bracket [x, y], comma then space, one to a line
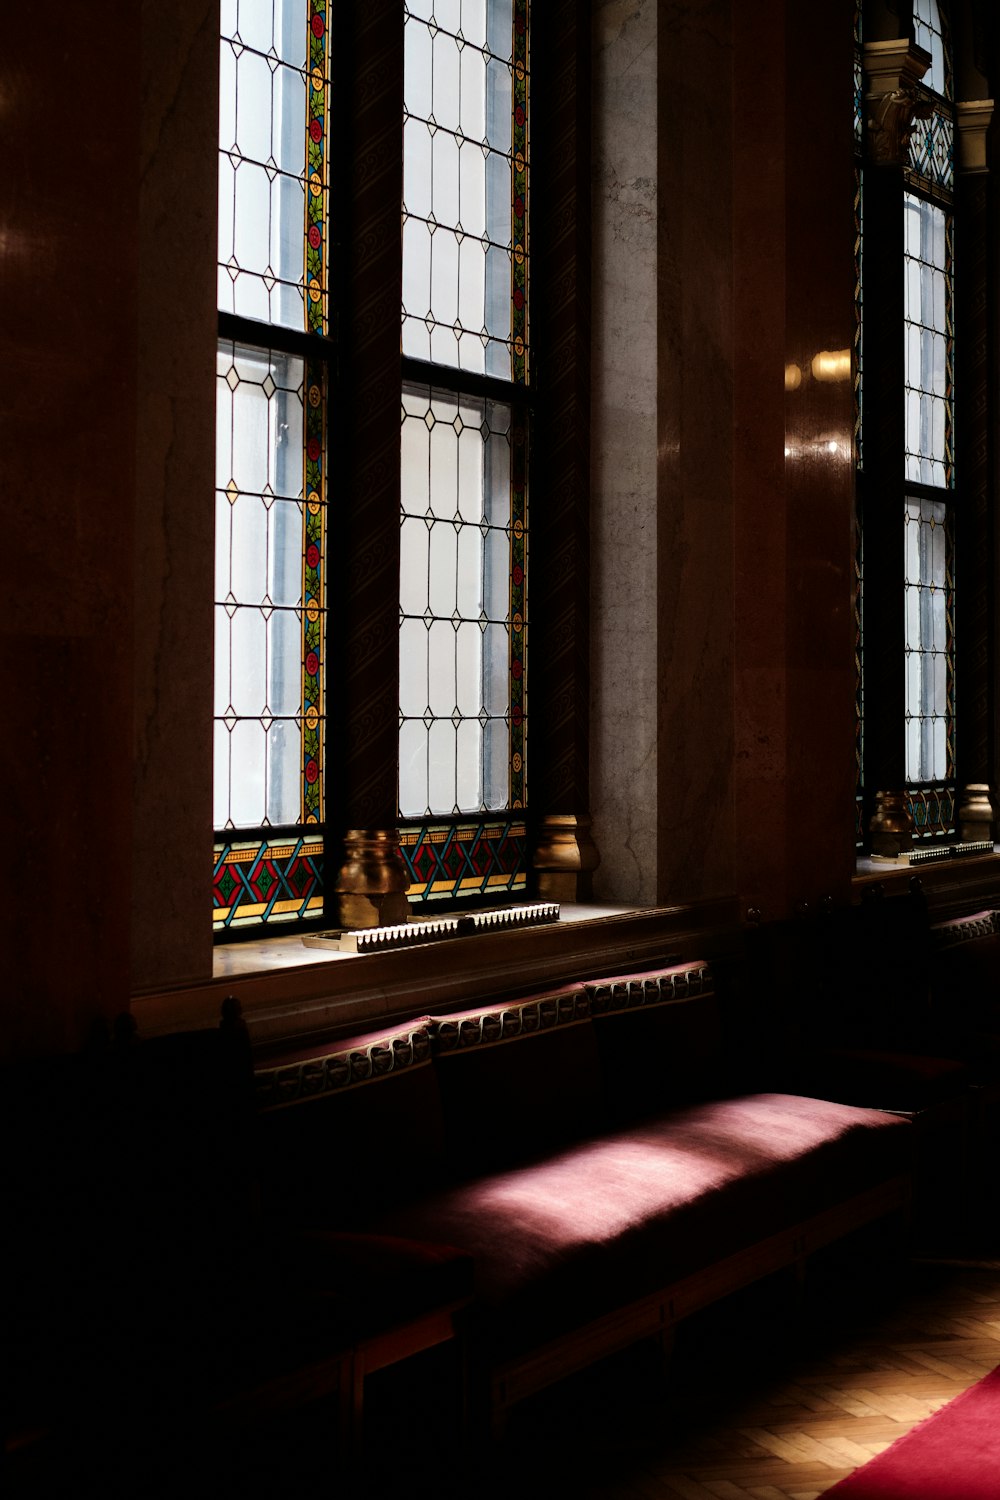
[469, 748]
[470, 572]
[911, 288]
[286, 443]
[416, 268]
[937, 380]
[253, 212]
[416, 341]
[444, 470]
[472, 189]
[423, 8]
[287, 249]
[498, 197]
[441, 668]
[227, 201]
[913, 751]
[413, 668]
[248, 761]
[470, 470]
[445, 178]
[911, 226]
[937, 434]
[412, 769]
[225, 291]
[441, 768]
[249, 437]
[913, 675]
[417, 69]
[223, 528]
[913, 422]
[496, 572]
[444, 279]
[249, 643]
[413, 543]
[290, 121]
[415, 462]
[913, 618]
[250, 298]
[227, 97]
[939, 639]
[496, 669]
[498, 102]
[497, 479]
[254, 23]
[249, 554]
[444, 347]
[221, 660]
[937, 556]
[448, 14]
[284, 662]
[469, 662]
[940, 699]
[443, 570]
[285, 553]
[474, 22]
[288, 306]
[498, 36]
[938, 306]
[940, 751]
[496, 764]
[911, 354]
[227, 18]
[416, 168]
[473, 107]
[290, 31]
[220, 776]
[253, 106]
[911, 534]
[472, 287]
[284, 784]
[446, 82]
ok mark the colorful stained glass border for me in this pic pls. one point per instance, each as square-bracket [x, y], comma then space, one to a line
[313, 595]
[932, 151]
[933, 811]
[519, 197]
[485, 857]
[267, 881]
[317, 170]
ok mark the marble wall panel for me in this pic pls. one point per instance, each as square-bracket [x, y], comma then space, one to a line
[623, 451]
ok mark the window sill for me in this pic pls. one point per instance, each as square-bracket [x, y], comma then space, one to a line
[289, 992]
[952, 886]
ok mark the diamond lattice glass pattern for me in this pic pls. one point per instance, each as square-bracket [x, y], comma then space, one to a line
[273, 93]
[929, 641]
[270, 520]
[462, 624]
[929, 342]
[932, 150]
[465, 154]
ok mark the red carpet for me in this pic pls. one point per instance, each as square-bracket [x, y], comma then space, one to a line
[953, 1455]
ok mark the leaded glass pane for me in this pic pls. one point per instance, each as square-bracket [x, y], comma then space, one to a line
[269, 610]
[929, 641]
[928, 32]
[465, 164]
[273, 102]
[462, 618]
[928, 342]
[932, 150]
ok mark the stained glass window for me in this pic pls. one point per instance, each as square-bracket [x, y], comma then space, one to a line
[461, 651]
[464, 443]
[273, 95]
[465, 166]
[929, 607]
[929, 342]
[271, 435]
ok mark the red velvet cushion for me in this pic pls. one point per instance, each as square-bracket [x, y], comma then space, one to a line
[605, 1221]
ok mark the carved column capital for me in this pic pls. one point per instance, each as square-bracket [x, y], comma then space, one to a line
[973, 121]
[893, 97]
[371, 883]
[565, 857]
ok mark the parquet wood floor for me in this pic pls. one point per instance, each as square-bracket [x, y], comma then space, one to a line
[767, 1397]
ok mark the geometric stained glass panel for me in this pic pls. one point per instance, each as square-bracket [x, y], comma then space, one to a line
[269, 607]
[929, 642]
[929, 342]
[465, 185]
[463, 621]
[273, 100]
